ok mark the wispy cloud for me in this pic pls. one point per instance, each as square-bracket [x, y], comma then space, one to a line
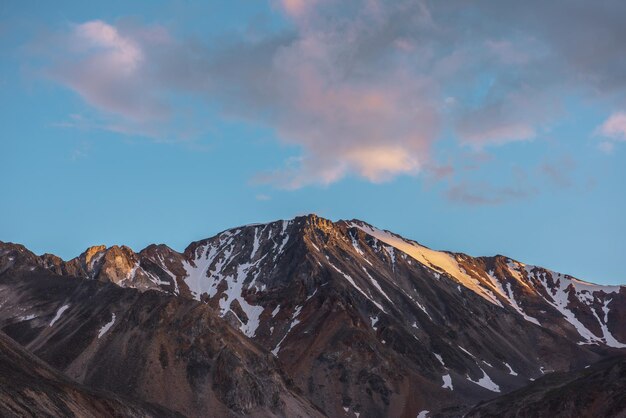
[614, 127]
[485, 194]
[263, 197]
[559, 172]
[612, 130]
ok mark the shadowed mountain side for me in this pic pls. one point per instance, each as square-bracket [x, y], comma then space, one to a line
[30, 387]
[596, 391]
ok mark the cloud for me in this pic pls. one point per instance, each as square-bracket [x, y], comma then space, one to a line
[107, 66]
[559, 171]
[614, 127]
[518, 116]
[296, 8]
[359, 88]
[485, 194]
[606, 147]
[612, 130]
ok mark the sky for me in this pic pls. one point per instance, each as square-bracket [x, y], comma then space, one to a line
[479, 127]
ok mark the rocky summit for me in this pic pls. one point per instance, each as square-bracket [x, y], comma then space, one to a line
[305, 318]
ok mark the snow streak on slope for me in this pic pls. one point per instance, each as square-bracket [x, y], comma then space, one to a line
[294, 322]
[436, 260]
[106, 327]
[58, 314]
[351, 281]
[197, 278]
[561, 287]
[234, 292]
[205, 274]
[608, 337]
[511, 371]
[508, 294]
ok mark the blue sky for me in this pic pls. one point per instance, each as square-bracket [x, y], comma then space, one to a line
[487, 131]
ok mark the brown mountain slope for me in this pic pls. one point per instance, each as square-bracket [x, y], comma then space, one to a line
[162, 349]
[29, 387]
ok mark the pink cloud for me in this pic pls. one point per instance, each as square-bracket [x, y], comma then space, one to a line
[109, 68]
[296, 8]
[119, 54]
[614, 127]
[357, 88]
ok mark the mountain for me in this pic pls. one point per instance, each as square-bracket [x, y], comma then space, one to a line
[148, 346]
[29, 387]
[596, 391]
[335, 318]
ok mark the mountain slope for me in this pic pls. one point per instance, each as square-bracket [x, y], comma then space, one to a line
[29, 387]
[596, 391]
[150, 346]
[367, 322]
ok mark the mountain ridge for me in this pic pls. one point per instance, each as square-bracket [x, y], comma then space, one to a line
[166, 247]
[360, 318]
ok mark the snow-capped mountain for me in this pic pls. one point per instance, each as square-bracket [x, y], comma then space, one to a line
[359, 320]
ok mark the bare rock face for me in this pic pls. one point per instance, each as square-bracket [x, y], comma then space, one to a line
[117, 264]
[308, 315]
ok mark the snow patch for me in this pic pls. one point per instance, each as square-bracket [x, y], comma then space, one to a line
[255, 244]
[419, 305]
[106, 326]
[438, 356]
[285, 236]
[467, 352]
[374, 320]
[58, 314]
[511, 371]
[485, 382]
[355, 244]
[439, 261]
